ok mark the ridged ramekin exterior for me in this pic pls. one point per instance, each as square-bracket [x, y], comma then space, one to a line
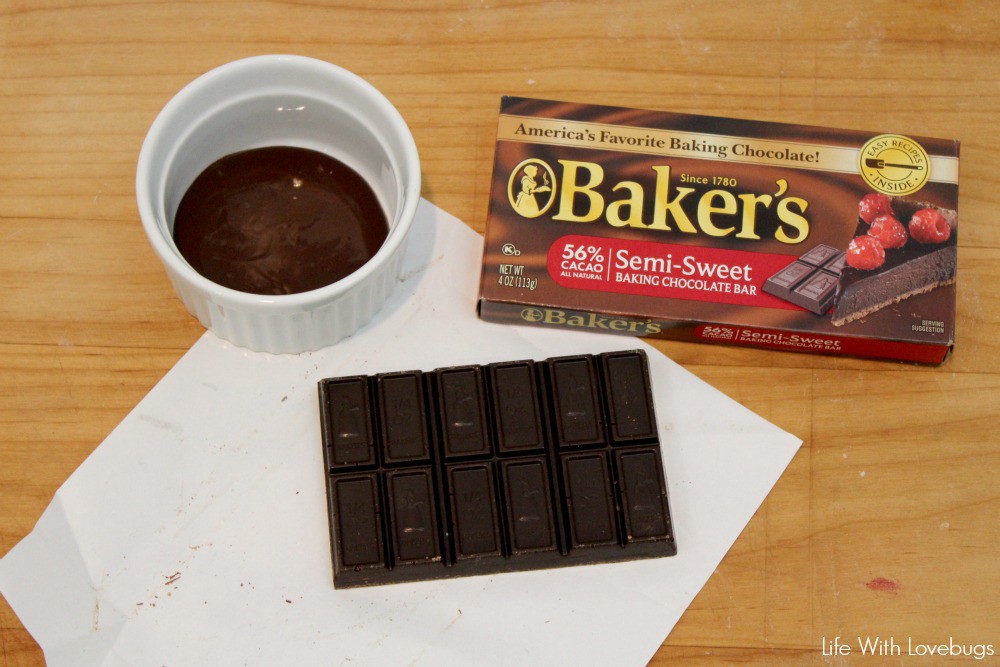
[293, 330]
[284, 323]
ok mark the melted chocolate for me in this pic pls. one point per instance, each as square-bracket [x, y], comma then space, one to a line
[278, 220]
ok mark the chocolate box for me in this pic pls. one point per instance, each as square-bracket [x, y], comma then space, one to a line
[719, 230]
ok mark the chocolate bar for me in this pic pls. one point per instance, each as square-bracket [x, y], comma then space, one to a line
[811, 280]
[512, 466]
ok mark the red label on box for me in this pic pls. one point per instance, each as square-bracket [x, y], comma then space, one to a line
[665, 270]
[803, 342]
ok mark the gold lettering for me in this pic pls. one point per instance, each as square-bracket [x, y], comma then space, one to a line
[793, 219]
[749, 228]
[706, 208]
[570, 188]
[633, 203]
[664, 206]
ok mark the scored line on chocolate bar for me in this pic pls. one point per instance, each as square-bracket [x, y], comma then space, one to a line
[809, 281]
[486, 469]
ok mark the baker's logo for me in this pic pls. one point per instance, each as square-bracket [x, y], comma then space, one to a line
[532, 315]
[590, 321]
[531, 188]
[894, 164]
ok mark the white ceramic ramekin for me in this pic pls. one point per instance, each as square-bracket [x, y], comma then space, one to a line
[280, 100]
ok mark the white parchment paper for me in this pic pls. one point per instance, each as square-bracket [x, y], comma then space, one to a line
[196, 534]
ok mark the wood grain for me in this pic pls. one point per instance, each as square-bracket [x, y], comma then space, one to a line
[885, 523]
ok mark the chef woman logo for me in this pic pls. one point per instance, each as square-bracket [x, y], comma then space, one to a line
[531, 188]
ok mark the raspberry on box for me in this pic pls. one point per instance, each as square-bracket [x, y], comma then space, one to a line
[865, 253]
[873, 205]
[929, 226]
[889, 231]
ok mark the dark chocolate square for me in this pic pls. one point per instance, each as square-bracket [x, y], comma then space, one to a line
[478, 470]
[809, 281]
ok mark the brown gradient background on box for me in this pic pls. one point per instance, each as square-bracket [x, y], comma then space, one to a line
[832, 214]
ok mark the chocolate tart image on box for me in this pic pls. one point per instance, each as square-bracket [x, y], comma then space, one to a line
[912, 269]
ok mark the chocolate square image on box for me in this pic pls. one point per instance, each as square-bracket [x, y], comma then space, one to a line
[511, 466]
[811, 280]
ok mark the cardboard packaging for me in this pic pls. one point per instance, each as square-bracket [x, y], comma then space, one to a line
[719, 230]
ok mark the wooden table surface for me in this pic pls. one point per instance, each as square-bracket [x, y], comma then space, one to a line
[885, 523]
